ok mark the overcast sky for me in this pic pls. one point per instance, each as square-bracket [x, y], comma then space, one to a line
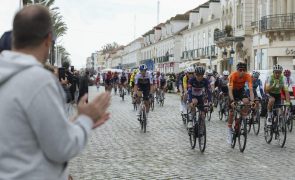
[93, 23]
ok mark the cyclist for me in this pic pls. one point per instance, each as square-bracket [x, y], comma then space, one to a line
[274, 84]
[223, 84]
[143, 86]
[123, 82]
[115, 81]
[237, 81]
[162, 84]
[131, 83]
[210, 78]
[196, 87]
[108, 81]
[256, 83]
[289, 82]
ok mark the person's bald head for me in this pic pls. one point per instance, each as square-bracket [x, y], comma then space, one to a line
[31, 26]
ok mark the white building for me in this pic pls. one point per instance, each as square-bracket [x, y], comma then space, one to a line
[162, 45]
[89, 64]
[235, 36]
[274, 33]
[131, 54]
[198, 47]
[100, 61]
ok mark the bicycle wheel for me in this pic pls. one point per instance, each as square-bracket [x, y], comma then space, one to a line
[268, 132]
[282, 131]
[289, 122]
[202, 136]
[144, 121]
[152, 105]
[220, 112]
[256, 123]
[123, 94]
[249, 123]
[193, 136]
[242, 136]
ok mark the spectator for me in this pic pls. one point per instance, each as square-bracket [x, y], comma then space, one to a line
[84, 83]
[36, 139]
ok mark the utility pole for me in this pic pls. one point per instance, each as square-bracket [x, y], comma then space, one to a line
[134, 35]
[158, 12]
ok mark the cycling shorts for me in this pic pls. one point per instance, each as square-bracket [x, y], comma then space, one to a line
[278, 99]
[200, 100]
[239, 94]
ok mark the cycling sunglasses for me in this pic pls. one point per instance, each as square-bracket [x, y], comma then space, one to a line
[242, 70]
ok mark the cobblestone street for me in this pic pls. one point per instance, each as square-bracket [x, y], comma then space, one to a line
[119, 150]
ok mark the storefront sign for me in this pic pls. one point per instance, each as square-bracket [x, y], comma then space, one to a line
[290, 52]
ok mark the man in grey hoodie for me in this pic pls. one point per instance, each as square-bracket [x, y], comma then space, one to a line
[36, 139]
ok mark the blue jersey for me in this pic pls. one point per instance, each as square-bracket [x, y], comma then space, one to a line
[198, 88]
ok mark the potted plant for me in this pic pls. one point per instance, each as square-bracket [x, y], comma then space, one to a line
[228, 30]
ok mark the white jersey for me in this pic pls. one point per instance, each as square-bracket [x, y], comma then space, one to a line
[143, 80]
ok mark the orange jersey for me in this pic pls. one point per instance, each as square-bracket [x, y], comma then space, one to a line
[236, 82]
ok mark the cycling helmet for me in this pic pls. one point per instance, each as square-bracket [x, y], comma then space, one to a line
[287, 73]
[225, 73]
[190, 70]
[277, 67]
[255, 74]
[241, 65]
[162, 74]
[143, 67]
[209, 72]
[200, 70]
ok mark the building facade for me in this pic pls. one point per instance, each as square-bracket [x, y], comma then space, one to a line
[198, 47]
[273, 33]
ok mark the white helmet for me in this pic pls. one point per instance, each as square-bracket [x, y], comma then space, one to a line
[277, 67]
[225, 73]
[190, 70]
[209, 72]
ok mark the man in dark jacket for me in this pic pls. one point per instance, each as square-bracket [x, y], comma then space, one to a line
[84, 83]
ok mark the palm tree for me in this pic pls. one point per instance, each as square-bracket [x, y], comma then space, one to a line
[59, 26]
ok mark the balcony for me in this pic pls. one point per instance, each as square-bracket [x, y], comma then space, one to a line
[277, 22]
[163, 58]
[199, 53]
[225, 39]
[254, 24]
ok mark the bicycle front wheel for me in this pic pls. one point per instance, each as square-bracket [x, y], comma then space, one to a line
[282, 131]
[256, 123]
[242, 135]
[193, 136]
[144, 121]
[202, 136]
[268, 132]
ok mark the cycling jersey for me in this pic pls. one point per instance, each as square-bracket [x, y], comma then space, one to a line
[211, 80]
[223, 85]
[237, 83]
[144, 83]
[162, 81]
[279, 84]
[123, 79]
[198, 88]
[256, 83]
[185, 82]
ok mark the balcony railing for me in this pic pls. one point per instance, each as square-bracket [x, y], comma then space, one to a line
[254, 24]
[277, 22]
[219, 34]
[199, 53]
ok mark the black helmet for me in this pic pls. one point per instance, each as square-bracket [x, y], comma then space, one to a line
[241, 65]
[200, 70]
